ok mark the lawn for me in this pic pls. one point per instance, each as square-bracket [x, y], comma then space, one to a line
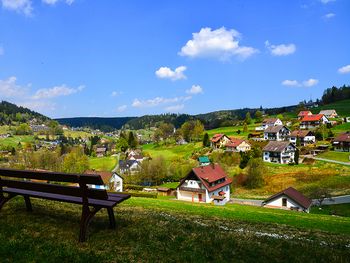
[170, 185]
[13, 141]
[77, 134]
[171, 151]
[103, 163]
[342, 107]
[337, 156]
[151, 230]
[232, 131]
[339, 210]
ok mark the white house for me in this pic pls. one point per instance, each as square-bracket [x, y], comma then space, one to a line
[129, 166]
[305, 137]
[116, 182]
[207, 184]
[313, 121]
[268, 123]
[279, 152]
[289, 199]
[276, 133]
[237, 145]
[219, 141]
[112, 180]
[329, 113]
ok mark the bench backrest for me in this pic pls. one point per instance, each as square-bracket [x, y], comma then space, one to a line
[12, 178]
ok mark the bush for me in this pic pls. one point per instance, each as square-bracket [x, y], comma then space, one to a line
[256, 170]
[142, 194]
[133, 187]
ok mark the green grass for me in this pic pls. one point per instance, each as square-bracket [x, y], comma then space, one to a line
[13, 141]
[171, 151]
[77, 134]
[150, 230]
[170, 185]
[232, 131]
[103, 163]
[4, 129]
[342, 127]
[342, 107]
[337, 156]
[339, 210]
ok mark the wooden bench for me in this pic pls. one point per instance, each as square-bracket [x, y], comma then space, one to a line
[46, 185]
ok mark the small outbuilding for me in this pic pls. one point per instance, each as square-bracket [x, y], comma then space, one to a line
[289, 199]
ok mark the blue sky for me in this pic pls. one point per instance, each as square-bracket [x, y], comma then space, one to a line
[67, 58]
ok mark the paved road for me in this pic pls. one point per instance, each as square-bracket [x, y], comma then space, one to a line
[330, 161]
[344, 199]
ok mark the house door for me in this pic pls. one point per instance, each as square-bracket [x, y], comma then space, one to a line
[284, 201]
[200, 197]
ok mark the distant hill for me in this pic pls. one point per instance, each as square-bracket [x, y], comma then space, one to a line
[10, 112]
[104, 124]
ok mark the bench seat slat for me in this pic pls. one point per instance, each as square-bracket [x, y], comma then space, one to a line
[110, 202]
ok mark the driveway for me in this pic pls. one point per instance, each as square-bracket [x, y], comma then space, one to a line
[344, 199]
[246, 201]
[330, 161]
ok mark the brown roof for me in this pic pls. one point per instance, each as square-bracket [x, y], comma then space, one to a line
[276, 146]
[104, 175]
[234, 142]
[301, 133]
[314, 117]
[343, 137]
[294, 195]
[274, 129]
[210, 174]
[270, 120]
[163, 189]
[217, 137]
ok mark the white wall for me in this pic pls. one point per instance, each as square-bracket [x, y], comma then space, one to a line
[277, 202]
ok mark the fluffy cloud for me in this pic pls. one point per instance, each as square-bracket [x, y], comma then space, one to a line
[344, 70]
[195, 89]
[158, 101]
[175, 108]
[294, 83]
[9, 88]
[280, 50]
[167, 73]
[20, 6]
[219, 43]
[52, 2]
[56, 91]
[122, 108]
[329, 15]
[115, 93]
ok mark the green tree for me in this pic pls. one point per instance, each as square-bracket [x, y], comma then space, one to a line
[122, 145]
[248, 118]
[258, 116]
[245, 127]
[23, 129]
[132, 141]
[255, 172]
[206, 141]
[296, 156]
[75, 161]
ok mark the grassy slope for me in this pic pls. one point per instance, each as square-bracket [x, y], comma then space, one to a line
[103, 163]
[13, 141]
[342, 107]
[171, 231]
[337, 156]
[171, 151]
[339, 210]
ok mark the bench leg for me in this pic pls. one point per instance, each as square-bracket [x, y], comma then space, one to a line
[86, 217]
[4, 200]
[111, 217]
[28, 203]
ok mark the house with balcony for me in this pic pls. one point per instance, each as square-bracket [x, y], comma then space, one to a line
[305, 137]
[269, 122]
[313, 121]
[279, 152]
[219, 141]
[237, 145]
[276, 133]
[205, 184]
[342, 142]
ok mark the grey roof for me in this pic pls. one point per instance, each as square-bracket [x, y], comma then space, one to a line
[276, 146]
[275, 129]
[327, 112]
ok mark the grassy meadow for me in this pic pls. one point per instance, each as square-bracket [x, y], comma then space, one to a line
[342, 107]
[337, 156]
[158, 230]
[171, 151]
[106, 163]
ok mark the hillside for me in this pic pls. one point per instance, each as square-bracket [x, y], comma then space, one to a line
[10, 112]
[160, 230]
[342, 107]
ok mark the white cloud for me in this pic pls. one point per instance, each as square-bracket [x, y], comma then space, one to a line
[1, 51]
[310, 82]
[115, 93]
[20, 6]
[53, 2]
[344, 70]
[167, 73]
[39, 105]
[122, 108]
[326, 1]
[219, 43]
[195, 89]
[9, 88]
[291, 83]
[175, 108]
[329, 15]
[158, 101]
[56, 91]
[280, 50]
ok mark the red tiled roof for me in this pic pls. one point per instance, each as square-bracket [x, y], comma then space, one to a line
[314, 117]
[234, 142]
[212, 173]
[217, 137]
[343, 137]
[294, 195]
[304, 113]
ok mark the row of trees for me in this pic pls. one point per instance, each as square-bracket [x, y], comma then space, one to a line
[335, 94]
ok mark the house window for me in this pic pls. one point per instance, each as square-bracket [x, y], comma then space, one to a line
[284, 201]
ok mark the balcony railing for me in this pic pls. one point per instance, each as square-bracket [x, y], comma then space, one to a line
[190, 189]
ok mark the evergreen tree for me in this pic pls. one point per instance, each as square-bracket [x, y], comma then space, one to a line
[206, 142]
